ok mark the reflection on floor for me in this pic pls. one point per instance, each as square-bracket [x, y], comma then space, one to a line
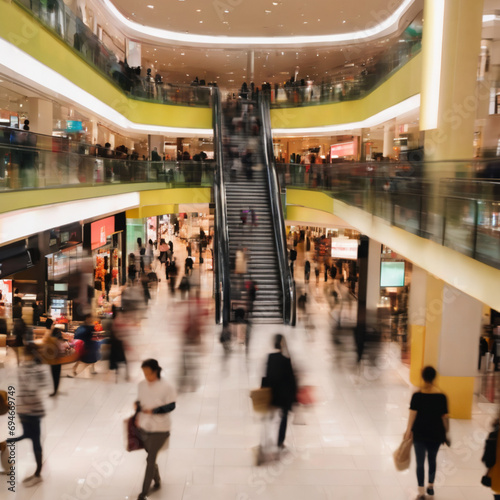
[339, 449]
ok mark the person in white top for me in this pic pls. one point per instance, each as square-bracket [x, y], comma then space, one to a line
[155, 402]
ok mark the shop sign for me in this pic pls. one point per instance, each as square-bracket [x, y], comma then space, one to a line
[342, 149]
[344, 249]
[100, 230]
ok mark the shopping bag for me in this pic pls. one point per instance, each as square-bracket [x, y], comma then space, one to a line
[305, 395]
[261, 399]
[402, 456]
[133, 440]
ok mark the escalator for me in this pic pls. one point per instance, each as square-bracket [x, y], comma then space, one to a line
[256, 247]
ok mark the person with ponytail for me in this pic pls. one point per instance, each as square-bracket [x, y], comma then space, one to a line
[155, 402]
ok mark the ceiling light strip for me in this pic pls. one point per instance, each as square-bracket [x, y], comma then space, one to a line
[406, 106]
[15, 60]
[390, 23]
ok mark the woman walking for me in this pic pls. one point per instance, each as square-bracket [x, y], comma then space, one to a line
[32, 378]
[281, 379]
[428, 424]
[155, 401]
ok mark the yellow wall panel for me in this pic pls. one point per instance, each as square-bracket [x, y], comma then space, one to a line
[417, 340]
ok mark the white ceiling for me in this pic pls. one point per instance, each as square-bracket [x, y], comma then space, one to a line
[259, 17]
[229, 68]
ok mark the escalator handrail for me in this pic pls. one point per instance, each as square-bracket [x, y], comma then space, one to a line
[287, 282]
[221, 240]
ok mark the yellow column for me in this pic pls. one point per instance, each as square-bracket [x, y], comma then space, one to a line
[451, 44]
[448, 341]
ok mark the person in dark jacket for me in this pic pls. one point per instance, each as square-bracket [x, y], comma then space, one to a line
[428, 425]
[91, 353]
[307, 271]
[281, 379]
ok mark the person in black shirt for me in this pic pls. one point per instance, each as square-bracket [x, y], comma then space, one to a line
[281, 379]
[428, 425]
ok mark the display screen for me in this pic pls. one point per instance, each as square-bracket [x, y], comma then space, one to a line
[344, 248]
[342, 149]
[74, 126]
[392, 274]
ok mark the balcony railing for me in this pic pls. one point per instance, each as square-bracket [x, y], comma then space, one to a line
[62, 21]
[462, 213]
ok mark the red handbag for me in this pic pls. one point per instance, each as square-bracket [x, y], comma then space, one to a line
[305, 395]
[133, 439]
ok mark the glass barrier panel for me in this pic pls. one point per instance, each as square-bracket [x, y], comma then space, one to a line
[32, 168]
[59, 18]
[488, 232]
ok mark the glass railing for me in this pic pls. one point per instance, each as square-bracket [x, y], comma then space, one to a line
[342, 88]
[61, 20]
[24, 168]
[430, 199]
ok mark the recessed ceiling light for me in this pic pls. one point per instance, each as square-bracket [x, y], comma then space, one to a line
[267, 12]
[151, 6]
[201, 22]
[198, 10]
[343, 22]
[305, 22]
[226, 12]
[182, 53]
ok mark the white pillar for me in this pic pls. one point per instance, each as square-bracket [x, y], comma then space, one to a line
[134, 54]
[373, 281]
[389, 134]
[250, 66]
[157, 141]
[460, 332]
[40, 115]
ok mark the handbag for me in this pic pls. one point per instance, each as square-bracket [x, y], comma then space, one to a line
[261, 399]
[305, 395]
[486, 480]
[133, 439]
[402, 456]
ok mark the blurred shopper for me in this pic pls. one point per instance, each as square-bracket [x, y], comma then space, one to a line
[32, 380]
[117, 345]
[428, 424]
[293, 258]
[131, 269]
[90, 354]
[191, 349]
[20, 332]
[307, 271]
[54, 348]
[251, 286]
[491, 458]
[155, 401]
[172, 271]
[281, 379]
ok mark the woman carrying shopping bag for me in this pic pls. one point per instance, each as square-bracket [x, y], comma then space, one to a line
[428, 425]
[156, 400]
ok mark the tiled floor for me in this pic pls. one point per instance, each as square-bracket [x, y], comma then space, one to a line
[340, 449]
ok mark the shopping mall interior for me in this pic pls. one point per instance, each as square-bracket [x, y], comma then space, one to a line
[181, 182]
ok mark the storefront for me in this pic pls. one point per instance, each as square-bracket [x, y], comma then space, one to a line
[63, 262]
[105, 240]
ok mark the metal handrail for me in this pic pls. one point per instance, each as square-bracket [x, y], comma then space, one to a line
[287, 281]
[222, 283]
